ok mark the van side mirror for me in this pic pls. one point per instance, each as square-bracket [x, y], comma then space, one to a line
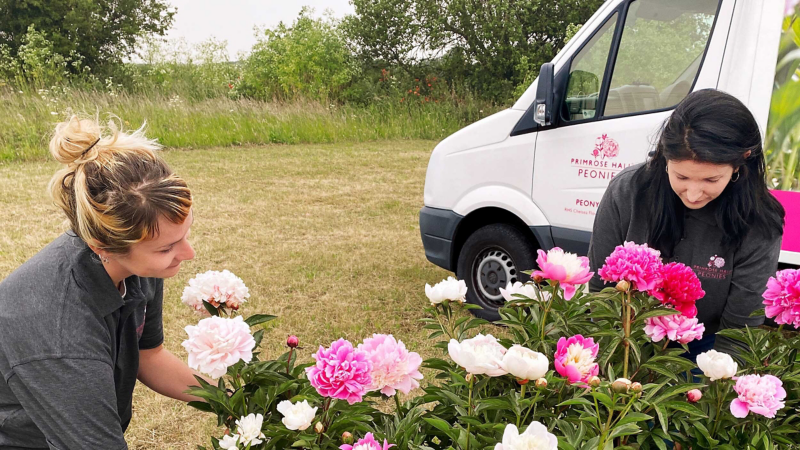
[543, 108]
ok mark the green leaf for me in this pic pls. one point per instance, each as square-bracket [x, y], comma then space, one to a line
[576, 401]
[624, 430]
[633, 417]
[258, 319]
[213, 310]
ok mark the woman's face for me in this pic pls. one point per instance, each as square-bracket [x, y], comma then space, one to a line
[698, 183]
[161, 256]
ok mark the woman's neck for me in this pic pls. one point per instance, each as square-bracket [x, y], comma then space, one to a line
[116, 272]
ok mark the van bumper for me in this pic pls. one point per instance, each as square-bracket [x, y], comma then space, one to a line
[438, 228]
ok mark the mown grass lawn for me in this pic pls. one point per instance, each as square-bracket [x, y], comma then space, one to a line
[325, 236]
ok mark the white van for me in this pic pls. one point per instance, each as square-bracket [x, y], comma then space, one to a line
[531, 176]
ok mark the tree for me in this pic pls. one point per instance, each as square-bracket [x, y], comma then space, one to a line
[99, 32]
[496, 42]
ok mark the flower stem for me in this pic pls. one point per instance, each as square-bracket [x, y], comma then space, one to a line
[469, 409]
[626, 309]
[521, 397]
[720, 397]
[544, 319]
[397, 403]
[532, 406]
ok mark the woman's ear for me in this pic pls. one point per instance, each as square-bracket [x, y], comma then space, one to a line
[102, 254]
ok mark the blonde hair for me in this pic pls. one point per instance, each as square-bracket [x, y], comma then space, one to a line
[114, 186]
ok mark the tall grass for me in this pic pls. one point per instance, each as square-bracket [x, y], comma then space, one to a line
[28, 118]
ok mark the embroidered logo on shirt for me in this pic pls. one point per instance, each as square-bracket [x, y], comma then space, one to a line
[717, 262]
[714, 269]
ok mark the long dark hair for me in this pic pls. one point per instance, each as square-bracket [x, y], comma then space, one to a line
[712, 127]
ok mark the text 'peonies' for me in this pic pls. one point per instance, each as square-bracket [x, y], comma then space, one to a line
[340, 372]
[569, 269]
[481, 355]
[535, 437]
[782, 297]
[758, 394]
[680, 288]
[296, 416]
[637, 264]
[217, 343]
[449, 289]
[393, 366]
[575, 358]
[368, 443]
[217, 288]
[716, 365]
[524, 363]
[677, 328]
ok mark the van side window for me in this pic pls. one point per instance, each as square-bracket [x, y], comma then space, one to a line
[586, 74]
[659, 56]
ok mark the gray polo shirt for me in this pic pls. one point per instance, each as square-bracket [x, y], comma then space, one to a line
[733, 279]
[69, 349]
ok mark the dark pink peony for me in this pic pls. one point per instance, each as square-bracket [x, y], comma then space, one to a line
[341, 372]
[782, 297]
[680, 288]
[637, 264]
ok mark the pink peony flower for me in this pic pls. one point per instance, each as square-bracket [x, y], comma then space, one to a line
[782, 297]
[217, 288]
[393, 367]
[217, 343]
[574, 358]
[694, 395]
[759, 394]
[568, 269]
[341, 372]
[638, 264]
[680, 288]
[676, 327]
[368, 443]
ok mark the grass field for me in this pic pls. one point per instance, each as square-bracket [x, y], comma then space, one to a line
[326, 237]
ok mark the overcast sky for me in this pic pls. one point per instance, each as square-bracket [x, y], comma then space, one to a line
[233, 20]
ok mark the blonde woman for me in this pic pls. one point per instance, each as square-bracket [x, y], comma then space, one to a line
[81, 320]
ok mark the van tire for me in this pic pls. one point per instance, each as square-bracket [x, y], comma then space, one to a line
[501, 252]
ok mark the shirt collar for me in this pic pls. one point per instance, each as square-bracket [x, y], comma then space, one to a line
[93, 279]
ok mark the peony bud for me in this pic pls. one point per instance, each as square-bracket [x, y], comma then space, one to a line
[694, 395]
[292, 341]
[621, 385]
[522, 382]
[469, 377]
[594, 381]
[623, 286]
[319, 428]
[541, 383]
[347, 437]
[636, 387]
[537, 279]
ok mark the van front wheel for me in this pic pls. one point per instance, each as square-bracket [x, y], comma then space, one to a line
[492, 257]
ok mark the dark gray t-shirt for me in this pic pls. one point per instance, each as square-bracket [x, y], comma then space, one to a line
[69, 349]
[732, 279]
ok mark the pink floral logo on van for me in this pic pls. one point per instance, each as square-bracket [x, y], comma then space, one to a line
[605, 147]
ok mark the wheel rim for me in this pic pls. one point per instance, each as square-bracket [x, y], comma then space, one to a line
[494, 269]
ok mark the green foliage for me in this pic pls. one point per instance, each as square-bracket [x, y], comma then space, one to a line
[308, 59]
[97, 33]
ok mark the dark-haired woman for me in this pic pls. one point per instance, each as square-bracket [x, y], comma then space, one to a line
[702, 200]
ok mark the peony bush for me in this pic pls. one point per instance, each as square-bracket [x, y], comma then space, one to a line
[568, 369]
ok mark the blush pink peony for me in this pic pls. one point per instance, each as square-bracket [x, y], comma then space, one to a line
[758, 394]
[680, 288]
[568, 269]
[676, 327]
[217, 343]
[341, 372]
[782, 297]
[575, 358]
[368, 443]
[217, 288]
[637, 264]
[394, 368]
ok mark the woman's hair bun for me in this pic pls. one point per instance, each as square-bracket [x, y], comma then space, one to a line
[76, 140]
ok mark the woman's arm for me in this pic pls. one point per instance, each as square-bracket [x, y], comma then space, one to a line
[166, 374]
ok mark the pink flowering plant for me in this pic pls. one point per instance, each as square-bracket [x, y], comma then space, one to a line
[563, 368]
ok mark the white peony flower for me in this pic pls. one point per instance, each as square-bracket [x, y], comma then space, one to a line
[217, 343]
[524, 363]
[297, 416]
[528, 290]
[229, 442]
[217, 288]
[535, 437]
[479, 355]
[716, 365]
[449, 289]
[249, 429]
